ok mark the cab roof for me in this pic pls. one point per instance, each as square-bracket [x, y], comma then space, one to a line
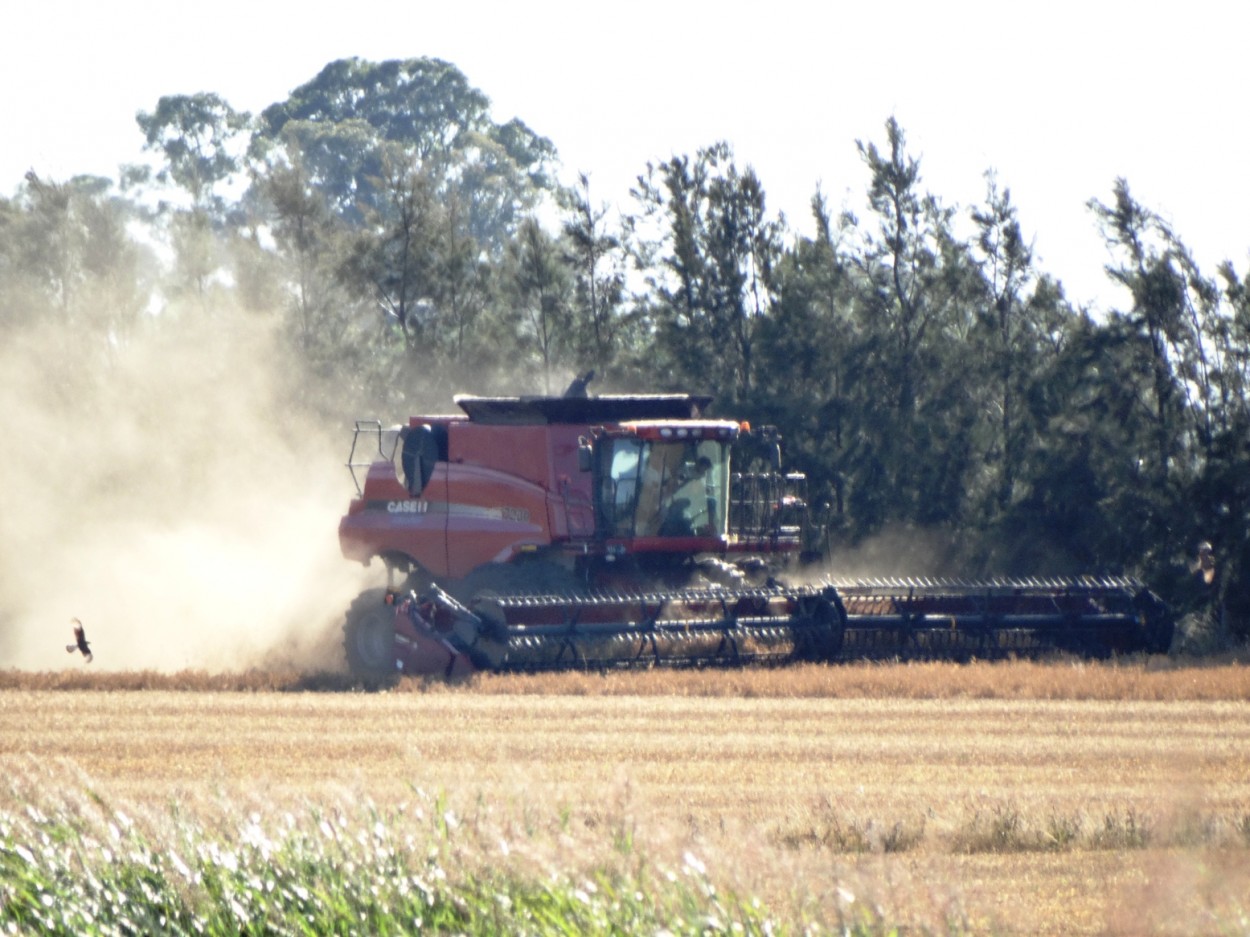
[523, 411]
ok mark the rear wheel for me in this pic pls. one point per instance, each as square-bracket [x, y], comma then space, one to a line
[369, 636]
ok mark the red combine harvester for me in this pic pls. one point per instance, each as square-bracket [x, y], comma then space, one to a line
[540, 533]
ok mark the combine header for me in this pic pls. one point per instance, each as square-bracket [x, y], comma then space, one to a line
[545, 533]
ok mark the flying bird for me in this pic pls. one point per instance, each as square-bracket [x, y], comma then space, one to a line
[80, 641]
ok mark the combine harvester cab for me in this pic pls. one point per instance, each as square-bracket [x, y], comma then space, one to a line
[540, 533]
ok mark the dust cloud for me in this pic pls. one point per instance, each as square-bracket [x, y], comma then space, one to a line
[168, 492]
[893, 553]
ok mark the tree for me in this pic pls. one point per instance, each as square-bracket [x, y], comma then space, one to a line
[1086, 499]
[1006, 265]
[597, 259]
[201, 139]
[394, 256]
[461, 284]
[718, 250]
[305, 233]
[66, 255]
[901, 260]
[803, 355]
[538, 284]
[913, 445]
[1222, 495]
[355, 115]
[199, 136]
[52, 246]
[1168, 346]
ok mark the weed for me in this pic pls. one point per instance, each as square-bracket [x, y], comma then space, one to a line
[1063, 831]
[1127, 830]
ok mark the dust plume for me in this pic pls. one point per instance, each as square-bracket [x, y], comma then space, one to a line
[170, 492]
[892, 553]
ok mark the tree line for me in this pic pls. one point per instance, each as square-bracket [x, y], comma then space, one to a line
[926, 374]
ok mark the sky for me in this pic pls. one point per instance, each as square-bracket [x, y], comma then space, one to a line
[1059, 99]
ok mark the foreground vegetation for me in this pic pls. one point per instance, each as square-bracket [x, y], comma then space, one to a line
[592, 803]
[73, 863]
[88, 869]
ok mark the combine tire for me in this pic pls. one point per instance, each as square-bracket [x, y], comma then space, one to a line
[369, 636]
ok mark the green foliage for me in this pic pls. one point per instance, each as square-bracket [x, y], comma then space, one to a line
[596, 260]
[537, 283]
[196, 134]
[66, 256]
[330, 873]
[714, 260]
[355, 115]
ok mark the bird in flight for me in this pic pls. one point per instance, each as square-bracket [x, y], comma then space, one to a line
[80, 641]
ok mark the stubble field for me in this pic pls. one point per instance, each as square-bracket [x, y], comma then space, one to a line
[1008, 798]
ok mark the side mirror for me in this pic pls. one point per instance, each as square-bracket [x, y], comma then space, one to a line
[585, 456]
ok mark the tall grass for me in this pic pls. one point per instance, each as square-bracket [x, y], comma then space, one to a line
[75, 865]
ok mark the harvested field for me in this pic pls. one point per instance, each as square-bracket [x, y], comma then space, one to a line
[1022, 811]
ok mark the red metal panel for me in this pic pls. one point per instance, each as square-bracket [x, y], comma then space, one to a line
[490, 516]
[522, 451]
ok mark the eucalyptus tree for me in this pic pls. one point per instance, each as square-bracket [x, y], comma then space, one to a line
[355, 115]
[66, 256]
[393, 253]
[201, 140]
[309, 240]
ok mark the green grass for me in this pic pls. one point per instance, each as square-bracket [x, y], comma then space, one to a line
[84, 868]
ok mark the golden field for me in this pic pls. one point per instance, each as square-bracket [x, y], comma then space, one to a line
[1004, 798]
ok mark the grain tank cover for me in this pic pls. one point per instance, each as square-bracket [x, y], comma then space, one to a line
[529, 411]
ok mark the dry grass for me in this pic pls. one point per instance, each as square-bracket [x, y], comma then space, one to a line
[1145, 678]
[1010, 815]
[1133, 679]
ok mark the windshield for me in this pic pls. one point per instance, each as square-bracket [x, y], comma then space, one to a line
[663, 489]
